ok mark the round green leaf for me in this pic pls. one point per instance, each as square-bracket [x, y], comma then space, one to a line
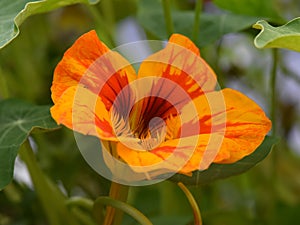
[17, 120]
[13, 13]
[286, 36]
[220, 171]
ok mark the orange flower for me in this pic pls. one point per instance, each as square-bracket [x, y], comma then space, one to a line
[168, 112]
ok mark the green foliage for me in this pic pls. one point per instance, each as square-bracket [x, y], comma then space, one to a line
[13, 14]
[266, 8]
[212, 27]
[285, 36]
[221, 171]
[17, 121]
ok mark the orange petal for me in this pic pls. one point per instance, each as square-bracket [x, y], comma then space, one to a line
[194, 163]
[237, 118]
[232, 126]
[137, 158]
[246, 127]
[83, 111]
[203, 115]
[184, 42]
[180, 62]
[170, 156]
[90, 63]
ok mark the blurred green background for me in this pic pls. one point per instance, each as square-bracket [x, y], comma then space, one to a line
[267, 194]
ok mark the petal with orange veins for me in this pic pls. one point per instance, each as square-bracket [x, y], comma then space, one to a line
[196, 160]
[91, 63]
[185, 42]
[180, 62]
[232, 126]
[83, 111]
[170, 156]
[246, 127]
[137, 158]
[203, 115]
[241, 122]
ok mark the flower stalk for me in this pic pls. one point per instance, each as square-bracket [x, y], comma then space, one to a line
[78, 206]
[273, 80]
[193, 203]
[168, 17]
[198, 9]
[104, 29]
[137, 215]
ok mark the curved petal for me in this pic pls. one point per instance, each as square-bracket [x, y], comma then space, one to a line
[246, 127]
[137, 158]
[90, 63]
[83, 111]
[185, 42]
[202, 115]
[229, 130]
[194, 163]
[170, 156]
[180, 62]
[234, 123]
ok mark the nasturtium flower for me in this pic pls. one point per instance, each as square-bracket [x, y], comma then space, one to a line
[171, 106]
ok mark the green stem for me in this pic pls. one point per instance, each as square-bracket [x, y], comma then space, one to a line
[104, 30]
[193, 203]
[76, 204]
[105, 17]
[137, 215]
[108, 12]
[198, 9]
[168, 17]
[80, 202]
[50, 197]
[273, 80]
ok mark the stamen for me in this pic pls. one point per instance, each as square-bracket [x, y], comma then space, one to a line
[120, 126]
[155, 135]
